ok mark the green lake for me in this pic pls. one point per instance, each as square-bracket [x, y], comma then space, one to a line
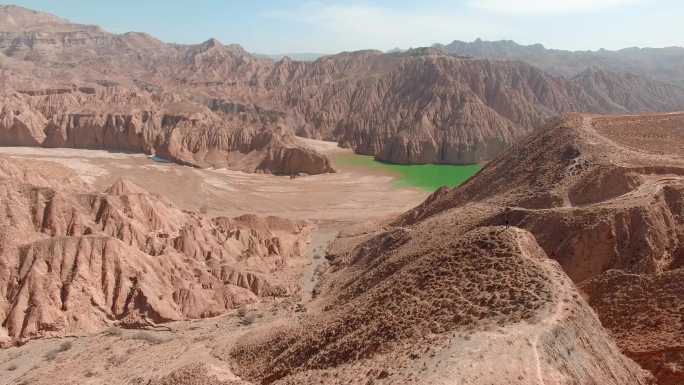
[428, 177]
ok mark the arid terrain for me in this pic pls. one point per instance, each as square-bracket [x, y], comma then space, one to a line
[210, 104]
[469, 277]
[179, 214]
[166, 255]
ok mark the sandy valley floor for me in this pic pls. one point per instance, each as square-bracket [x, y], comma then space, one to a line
[348, 195]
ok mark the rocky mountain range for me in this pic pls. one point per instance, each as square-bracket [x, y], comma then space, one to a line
[71, 85]
[419, 106]
[663, 64]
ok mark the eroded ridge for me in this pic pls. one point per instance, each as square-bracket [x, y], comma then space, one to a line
[76, 261]
[421, 313]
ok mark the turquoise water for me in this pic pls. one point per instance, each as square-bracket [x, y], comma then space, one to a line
[428, 177]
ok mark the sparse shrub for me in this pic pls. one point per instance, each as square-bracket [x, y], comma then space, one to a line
[116, 360]
[90, 373]
[242, 311]
[113, 332]
[202, 338]
[63, 347]
[248, 319]
[204, 209]
[150, 338]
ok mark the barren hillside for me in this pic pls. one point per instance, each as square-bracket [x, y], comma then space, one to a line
[599, 195]
[603, 197]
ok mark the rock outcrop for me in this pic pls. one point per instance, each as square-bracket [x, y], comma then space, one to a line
[644, 314]
[74, 261]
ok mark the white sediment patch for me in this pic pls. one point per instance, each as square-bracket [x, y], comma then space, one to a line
[40, 152]
[87, 171]
[321, 146]
[219, 183]
[78, 160]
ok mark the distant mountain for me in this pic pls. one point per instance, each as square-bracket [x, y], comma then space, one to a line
[664, 64]
[19, 19]
[299, 56]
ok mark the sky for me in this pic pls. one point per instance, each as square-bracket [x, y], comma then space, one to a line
[325, 26]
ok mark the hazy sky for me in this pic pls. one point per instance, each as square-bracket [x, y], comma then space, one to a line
[280, 26]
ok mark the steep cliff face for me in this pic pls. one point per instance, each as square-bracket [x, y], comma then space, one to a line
[428, 107]
[248, 139]
[21, 125]
[629, 92]
[402, 109]
[75, 261]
